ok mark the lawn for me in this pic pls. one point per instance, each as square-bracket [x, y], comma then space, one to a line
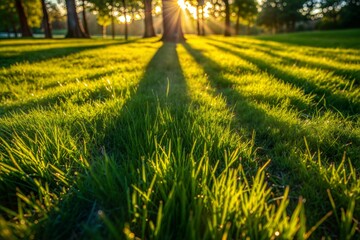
[216, 138]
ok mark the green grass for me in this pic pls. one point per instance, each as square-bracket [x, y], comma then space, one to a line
[216, 138]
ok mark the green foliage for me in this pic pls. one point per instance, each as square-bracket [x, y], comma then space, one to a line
[105, 10]
[335, 13]
[33, 12]
[246, 10]
[8, 15]
[103, 139]
[275, 14]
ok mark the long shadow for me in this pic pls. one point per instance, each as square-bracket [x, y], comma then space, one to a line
[276, 137]
[340, 103]
[162, 86]
[45, 54]
[48, 102]
[347, 74]
[333, 152]
[249, 115]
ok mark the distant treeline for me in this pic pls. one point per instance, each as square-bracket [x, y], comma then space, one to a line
[133, 17]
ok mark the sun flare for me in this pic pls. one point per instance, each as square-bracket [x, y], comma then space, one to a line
[182, 4]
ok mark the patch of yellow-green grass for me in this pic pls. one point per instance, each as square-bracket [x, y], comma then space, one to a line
[127, 139]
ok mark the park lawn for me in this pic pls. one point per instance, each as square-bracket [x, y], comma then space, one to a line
[215, 138]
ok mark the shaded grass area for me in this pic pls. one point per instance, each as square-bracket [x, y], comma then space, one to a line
[124, 141]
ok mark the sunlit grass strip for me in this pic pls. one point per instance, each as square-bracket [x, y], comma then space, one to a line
[171, 185]
[277, 118]
[184, 141]
[338, 91]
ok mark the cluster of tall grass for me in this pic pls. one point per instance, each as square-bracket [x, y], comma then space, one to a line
[215, 138]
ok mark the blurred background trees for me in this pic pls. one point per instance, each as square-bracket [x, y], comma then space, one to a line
[82, 18]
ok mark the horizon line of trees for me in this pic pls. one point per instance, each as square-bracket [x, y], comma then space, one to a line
[21, 16]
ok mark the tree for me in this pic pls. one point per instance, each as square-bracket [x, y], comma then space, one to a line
[172, 22]
[270, 15]
[222, 8]
[57, 19]
[46, 20]
[337, 13]
[200, 17]
[148, 20]
[126, 19]
[9, 17]
[350, 14]
[104, 20]
[75, 29]
[281, 14]
[104, 12]
[25, 29]
[245, 9]
[112, 15]
[86, 29]
[291, 13]
[227, 19]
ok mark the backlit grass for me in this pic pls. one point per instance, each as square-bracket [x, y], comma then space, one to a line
[215, 138]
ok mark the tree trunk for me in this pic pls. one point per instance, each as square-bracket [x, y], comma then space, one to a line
[172, 22]
[227, 18]
[125, 24]
[112, 21]
[198, 20]
[75, 29]
[148, 20]
[126, 28]
[103, 31]
[47, 26]
[86, 29]
[237, 25]
[202, 21]
[25, 29]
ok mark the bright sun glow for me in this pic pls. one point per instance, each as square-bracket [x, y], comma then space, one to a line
[182, 4]
[192, 9]
[122, 18]
[157, 9]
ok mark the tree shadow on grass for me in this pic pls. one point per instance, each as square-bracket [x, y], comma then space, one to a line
[126, 141]
[340, 103]
[101, 93]
[289, 60]
[162, 86]
[45, 54]
[274, 131]
[249, 114]
[276, 137]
